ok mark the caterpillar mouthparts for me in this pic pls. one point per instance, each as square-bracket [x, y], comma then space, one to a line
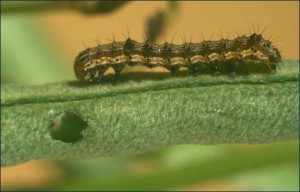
[208, 57]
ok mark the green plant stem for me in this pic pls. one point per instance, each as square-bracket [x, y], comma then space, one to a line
[136, 117]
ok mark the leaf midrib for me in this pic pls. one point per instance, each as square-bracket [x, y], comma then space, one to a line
[49, 98]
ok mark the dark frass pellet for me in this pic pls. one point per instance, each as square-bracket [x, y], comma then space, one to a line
[67, 127]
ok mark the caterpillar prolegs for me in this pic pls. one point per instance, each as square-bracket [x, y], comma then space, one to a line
[244, 54]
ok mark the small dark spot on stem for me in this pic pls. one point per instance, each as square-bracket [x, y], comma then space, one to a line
[67, 127]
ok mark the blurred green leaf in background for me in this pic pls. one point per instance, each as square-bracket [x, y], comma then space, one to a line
[27, 56]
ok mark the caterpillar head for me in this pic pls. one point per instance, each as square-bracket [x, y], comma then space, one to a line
[81, 63]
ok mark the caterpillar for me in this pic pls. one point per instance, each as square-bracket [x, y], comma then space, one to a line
[207, 57]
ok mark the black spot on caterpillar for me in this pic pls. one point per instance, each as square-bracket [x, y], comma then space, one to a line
[242, 55]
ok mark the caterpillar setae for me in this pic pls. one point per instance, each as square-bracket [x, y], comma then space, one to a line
[231, 57]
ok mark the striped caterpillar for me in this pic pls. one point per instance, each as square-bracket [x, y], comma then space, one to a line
[225, 56]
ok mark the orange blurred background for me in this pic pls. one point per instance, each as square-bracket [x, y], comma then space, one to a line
[74, 30]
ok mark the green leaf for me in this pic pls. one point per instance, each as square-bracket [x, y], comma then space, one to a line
[27, 57]
[227, 163]
[136, 117]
